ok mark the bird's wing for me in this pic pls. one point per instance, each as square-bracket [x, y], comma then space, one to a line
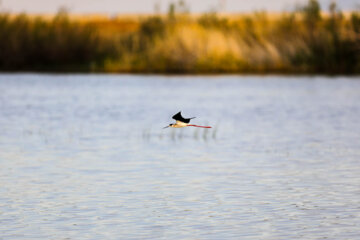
[178, 117]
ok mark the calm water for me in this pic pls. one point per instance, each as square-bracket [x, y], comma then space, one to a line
[85, 157]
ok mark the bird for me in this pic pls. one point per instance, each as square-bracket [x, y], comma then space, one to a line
[183, 122]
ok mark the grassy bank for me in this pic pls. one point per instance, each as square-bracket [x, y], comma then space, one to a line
[307, 40]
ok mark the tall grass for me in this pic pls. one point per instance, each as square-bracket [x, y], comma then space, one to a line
[304, 41]
[37, 44]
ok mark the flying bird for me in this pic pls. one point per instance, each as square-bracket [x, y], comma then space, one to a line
[183, 122]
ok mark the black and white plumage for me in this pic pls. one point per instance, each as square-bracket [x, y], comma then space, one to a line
[180, 118]
[183, 122]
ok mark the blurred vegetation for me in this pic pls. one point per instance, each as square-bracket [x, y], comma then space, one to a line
[306, 40]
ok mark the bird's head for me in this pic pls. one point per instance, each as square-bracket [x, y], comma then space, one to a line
[169, 125]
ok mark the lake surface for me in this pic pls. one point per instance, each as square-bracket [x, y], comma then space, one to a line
[85, 157]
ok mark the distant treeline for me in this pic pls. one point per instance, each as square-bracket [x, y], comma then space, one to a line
[306, 40]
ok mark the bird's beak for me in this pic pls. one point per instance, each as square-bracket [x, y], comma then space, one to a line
[166, 127]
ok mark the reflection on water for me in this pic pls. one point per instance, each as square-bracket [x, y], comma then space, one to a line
[177, 135]
[85, 157]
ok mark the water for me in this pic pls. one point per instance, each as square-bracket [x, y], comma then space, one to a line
[85, 157]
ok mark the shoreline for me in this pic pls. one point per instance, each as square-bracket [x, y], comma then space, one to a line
[268, 74]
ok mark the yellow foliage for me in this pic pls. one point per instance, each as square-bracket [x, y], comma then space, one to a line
[256, 42]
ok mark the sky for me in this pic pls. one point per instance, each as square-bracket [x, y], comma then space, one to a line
[147, 6]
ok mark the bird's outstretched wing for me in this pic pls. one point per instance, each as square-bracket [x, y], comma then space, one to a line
[180, 118]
